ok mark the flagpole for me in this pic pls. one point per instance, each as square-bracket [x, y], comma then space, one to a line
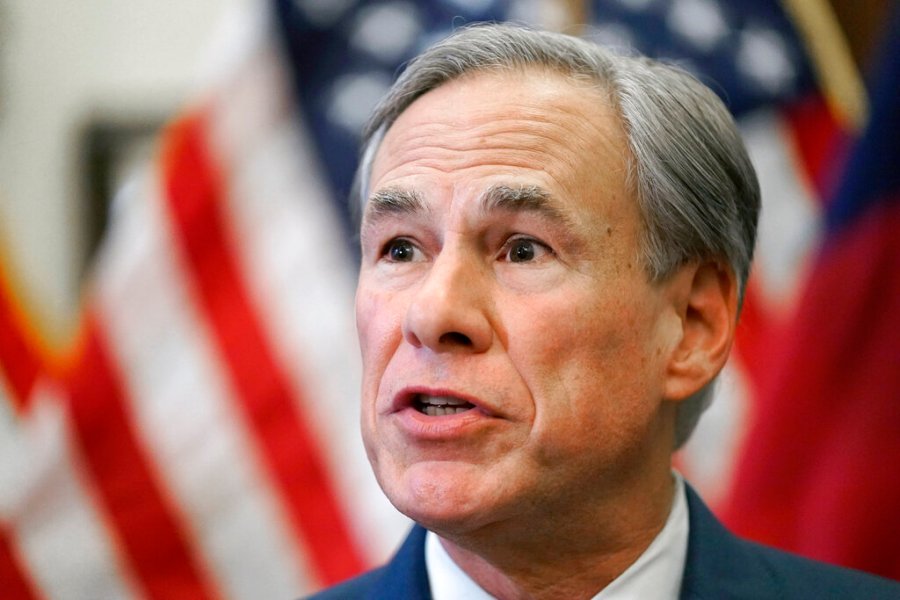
[832, 60]
[577, 11]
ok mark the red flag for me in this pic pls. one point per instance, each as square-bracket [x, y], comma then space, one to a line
[819, 473]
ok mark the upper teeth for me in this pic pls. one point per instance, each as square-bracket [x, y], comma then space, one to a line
[436, 406]
[441, 401]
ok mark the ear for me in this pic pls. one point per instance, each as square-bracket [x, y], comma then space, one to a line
[705, 299]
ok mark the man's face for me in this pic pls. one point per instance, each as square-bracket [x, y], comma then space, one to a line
[513, 348]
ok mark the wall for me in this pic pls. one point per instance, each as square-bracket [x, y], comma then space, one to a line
[61, 64]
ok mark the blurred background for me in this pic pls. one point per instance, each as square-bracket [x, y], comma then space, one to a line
[178, 366]
[85, 87]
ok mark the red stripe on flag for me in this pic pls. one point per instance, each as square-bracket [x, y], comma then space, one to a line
[819, 143]
[141, 515]
[19, 358]
[195, 195]
[14, 582]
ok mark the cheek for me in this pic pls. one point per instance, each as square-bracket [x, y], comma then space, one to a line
[378, 326]
[574, 334]
[378, 335]
[589, 375]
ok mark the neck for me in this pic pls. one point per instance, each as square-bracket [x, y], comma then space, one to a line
[575, 559]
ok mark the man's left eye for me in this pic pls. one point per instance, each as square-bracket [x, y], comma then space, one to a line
[521, 250]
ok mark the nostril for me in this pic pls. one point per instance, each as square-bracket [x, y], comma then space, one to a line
[455, 338]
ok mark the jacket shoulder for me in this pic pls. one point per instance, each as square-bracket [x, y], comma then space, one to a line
[405, 576]
[798, 577]
[721, 565]
[352, 589]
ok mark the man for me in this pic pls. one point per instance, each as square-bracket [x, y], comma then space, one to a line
[554, 245]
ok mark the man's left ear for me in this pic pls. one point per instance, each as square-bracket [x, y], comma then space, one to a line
[705, 298]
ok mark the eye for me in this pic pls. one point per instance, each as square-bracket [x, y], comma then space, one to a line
[400, 250]
[520, 250]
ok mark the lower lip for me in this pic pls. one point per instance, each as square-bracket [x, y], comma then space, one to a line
[443, 427]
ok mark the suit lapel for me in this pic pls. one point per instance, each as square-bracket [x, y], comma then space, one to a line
[718, 563]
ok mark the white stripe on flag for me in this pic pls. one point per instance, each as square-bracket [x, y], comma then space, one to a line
[47, 503]
[184, 408]
[790, 223]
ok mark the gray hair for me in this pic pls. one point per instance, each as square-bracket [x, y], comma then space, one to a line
[697, 191]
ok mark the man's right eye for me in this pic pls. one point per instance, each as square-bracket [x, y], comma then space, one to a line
[400, 250]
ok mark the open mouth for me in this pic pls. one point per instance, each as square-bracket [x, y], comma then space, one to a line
[436, 406]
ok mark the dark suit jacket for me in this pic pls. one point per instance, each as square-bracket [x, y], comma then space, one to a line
[719, 566]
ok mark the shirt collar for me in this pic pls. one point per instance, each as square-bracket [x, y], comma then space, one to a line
[655, 575]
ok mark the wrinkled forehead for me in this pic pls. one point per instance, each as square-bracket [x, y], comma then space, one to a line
[549, 146]
[506, 119]
[578, 84]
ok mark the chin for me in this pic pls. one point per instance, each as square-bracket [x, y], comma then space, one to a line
[440, 497]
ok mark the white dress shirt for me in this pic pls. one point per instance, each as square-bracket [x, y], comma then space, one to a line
[655, 575]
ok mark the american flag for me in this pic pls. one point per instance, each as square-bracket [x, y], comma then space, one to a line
[201, 441]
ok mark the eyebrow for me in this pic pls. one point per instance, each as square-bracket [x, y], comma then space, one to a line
[395, 201]
[526, 198]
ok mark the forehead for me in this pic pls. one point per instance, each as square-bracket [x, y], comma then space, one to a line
[527, 127]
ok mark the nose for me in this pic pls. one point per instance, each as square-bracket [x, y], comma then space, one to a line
[449, 311]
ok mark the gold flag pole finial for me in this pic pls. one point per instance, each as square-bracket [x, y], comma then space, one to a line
[569, 16]
[832, 61]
